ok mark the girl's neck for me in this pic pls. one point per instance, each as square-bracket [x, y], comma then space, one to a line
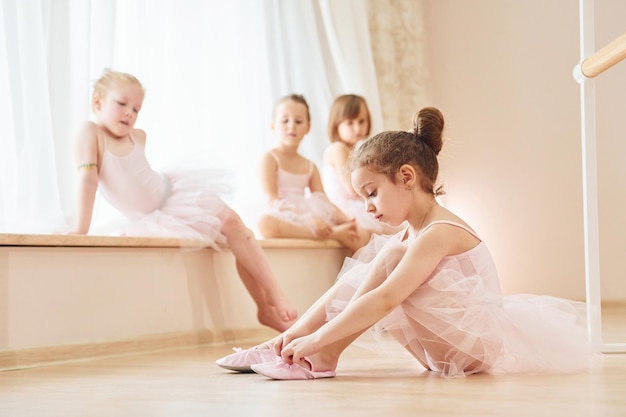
[124, 138]
[424, 216]
[287, 150]
[113, 135]
[347, 144]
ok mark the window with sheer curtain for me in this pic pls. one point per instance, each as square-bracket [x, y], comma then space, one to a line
[212, 70]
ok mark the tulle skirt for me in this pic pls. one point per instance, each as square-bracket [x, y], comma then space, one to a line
[304, 210]
[192, 211]
[457, 325]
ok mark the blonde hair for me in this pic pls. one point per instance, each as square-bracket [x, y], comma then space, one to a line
[108, 79]
[345, 107]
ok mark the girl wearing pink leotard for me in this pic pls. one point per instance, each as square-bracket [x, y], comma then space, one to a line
[110, 154]
[433, 287]
[349, 123]
[297, 206]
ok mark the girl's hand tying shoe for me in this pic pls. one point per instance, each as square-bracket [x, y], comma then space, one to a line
[299, 349]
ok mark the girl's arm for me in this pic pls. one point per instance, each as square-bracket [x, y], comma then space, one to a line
[421, 258]
[336, 155]
[315, 316]
[307, 323]
[316, 185]
[269, 177]
[139, 136]
[87, 158]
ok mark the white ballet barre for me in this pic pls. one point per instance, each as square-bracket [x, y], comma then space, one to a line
[591, 65]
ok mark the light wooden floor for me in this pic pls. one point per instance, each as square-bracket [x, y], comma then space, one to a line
[188, 383]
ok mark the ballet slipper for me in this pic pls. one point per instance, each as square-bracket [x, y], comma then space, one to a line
[279, 369]
[243, 359]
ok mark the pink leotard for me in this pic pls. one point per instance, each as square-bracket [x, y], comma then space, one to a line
[129, 183]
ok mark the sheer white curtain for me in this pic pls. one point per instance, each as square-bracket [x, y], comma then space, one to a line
[212, 70]
[29, 187]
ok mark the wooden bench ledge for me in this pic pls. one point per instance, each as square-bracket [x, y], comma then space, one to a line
[10, 239]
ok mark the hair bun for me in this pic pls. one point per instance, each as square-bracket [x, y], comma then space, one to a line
[428, 127]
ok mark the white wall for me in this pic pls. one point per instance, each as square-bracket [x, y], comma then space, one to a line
[501, 71]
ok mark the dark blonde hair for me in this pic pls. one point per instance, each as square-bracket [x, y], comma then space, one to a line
[296, 98]
[386, 152]
[346, 107]
[108, 79]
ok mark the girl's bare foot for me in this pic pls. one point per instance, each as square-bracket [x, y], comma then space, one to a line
[349, 236]
[345, 233]
[319, 362]
[278, 317]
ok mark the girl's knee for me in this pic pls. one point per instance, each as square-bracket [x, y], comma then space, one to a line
[267, 226]
[231, 222]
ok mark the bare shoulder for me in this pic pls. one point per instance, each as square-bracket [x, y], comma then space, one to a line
[312, 165]
[87, 130]
[452, 223]
[338, 146]
[139, 135]
[269, 156]
[268, 160]
[87, 147]
[453, 233]
[87, 136]
[336, 152]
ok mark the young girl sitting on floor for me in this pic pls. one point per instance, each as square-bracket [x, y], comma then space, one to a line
[433, 286]
[110, 155]
[297, 204]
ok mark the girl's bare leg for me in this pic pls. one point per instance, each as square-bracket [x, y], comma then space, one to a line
[273, 227]
[384, 262]
[347, 234]
[273, 308]
[350, 236]
[315, 316]
[328, 358]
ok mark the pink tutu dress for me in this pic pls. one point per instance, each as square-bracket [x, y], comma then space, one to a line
[180, 204]
[297, 205]
[458, 323]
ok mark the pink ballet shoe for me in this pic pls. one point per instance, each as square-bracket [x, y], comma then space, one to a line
[243, 359]
[280, 369]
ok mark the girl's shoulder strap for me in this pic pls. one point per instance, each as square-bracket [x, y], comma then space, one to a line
[462, 226]
[276, 158]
